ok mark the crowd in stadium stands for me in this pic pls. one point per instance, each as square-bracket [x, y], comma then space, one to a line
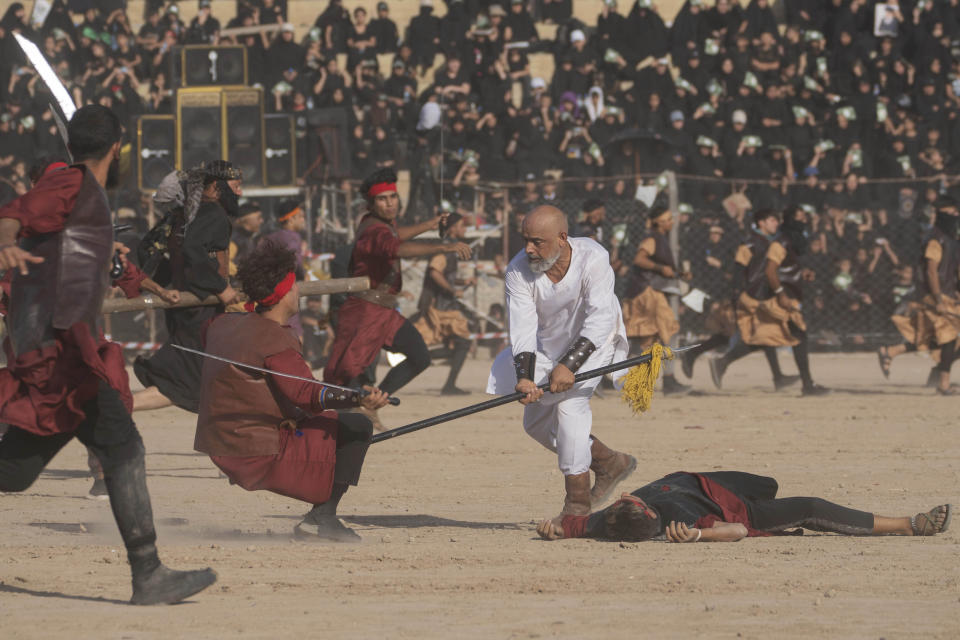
[849, 109]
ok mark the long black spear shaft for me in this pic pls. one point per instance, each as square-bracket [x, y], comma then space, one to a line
[513, 397]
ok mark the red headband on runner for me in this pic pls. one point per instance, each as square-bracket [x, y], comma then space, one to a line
[54, 166]
[381, 187]
[278, 292]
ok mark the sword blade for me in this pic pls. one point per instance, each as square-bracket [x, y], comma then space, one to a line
[204, 354]
[48, 75]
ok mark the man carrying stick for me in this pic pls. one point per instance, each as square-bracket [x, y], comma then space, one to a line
[271, 432]
[563, 315]
[933, 322]
[769, 313]
[647, 312]
[368, 320]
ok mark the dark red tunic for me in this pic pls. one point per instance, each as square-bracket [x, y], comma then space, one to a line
[365, 327]
[43, 391]
[249, 424]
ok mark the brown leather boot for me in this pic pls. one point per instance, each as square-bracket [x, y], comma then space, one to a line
[577, 500]
[611, 468]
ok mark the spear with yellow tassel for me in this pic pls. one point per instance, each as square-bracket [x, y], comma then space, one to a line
[637, 389]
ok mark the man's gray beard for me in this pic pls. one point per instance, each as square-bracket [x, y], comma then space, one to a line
[543, 265]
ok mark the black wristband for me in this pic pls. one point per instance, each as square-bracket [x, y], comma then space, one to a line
[577, 354]
[523, 364]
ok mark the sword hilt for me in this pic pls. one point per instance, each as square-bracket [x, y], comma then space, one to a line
[390, 400]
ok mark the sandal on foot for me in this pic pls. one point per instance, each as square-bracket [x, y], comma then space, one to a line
[883, 355]
[925, 524]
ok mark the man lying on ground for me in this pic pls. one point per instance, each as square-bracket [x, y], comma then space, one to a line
[725, 506]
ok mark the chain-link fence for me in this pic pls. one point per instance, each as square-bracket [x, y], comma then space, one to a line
[864, 240]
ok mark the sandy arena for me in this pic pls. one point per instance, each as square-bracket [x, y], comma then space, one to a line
[447, 517]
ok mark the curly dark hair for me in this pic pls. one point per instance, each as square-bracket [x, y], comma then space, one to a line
[263, 269]
[380, 175]
[627, 521]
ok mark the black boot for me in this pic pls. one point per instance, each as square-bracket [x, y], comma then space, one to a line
[672, 387]
[322, 523]
[99, 489]
[814, 389]
[689, 358]
[153, 583]
[461, 347]
[785, 381]
[718, 366]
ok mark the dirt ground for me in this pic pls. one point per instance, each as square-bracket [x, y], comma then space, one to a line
[447, 517]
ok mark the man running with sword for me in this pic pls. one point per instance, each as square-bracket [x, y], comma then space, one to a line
[563, 315]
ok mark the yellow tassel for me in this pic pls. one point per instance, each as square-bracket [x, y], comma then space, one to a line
[639, 381]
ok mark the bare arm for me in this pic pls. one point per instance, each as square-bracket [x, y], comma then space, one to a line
[933, 277]
[773, 279]
[724, 532]
[438, 278]
[406, 233]
[642, 260]
[719, 532]
[423, 249]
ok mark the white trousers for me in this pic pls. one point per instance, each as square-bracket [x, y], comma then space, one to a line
[564, 428]
[560, 422]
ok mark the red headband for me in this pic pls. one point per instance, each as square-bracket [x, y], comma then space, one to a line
[381, 187]
[54, 166]
[278, 292]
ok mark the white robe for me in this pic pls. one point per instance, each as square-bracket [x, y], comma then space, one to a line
[546, 318]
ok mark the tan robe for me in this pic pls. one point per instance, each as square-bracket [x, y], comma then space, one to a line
[923, 324]
[766, 323]
[436, 326]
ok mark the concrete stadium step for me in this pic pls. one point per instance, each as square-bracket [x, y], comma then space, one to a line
[303, 13]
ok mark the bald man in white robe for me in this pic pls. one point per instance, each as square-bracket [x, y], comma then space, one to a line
[563, 316]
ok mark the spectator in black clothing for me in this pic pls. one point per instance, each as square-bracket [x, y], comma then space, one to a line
[204, 28]
[283, 54]
[423, 34]
[384, 30]
[519, 26]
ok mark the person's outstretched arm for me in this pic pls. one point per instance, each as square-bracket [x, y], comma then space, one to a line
[719, 532]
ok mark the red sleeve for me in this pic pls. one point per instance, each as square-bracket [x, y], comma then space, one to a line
[574, 526]
[379, 240]
[130, 280]
[44, 208]
[305, 395]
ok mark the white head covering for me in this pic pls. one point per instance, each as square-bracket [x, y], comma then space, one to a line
[594, 110]
[429, 116]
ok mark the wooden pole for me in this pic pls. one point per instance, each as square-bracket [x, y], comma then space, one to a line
[315, 288]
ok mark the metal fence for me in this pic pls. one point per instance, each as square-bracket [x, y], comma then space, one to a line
[865, 240]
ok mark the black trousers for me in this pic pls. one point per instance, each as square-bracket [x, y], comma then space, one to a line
[409, 342]
[108, 431]
[815, 514]
[353, 440]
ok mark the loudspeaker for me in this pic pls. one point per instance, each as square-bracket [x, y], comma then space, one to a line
[280, 151]
[201, 65]
[156, 149]
[199, 126]
[243, 114]
[328, 142]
